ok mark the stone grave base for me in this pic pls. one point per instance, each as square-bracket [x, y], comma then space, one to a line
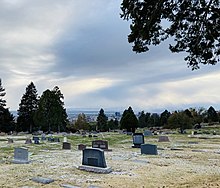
[20, 162]
[95, 169]
[136, 146]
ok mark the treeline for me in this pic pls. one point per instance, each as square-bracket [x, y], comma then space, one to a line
[47, 113]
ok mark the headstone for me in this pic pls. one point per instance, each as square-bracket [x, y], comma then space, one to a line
[66, 145]
[138, 139]
[81, 147]
[149, 149]
[36, 139]
[43, 137]
[65, 139]
[163, 139]
[129, 133]
[56, 139]
[102, 144]
[28, 141]
[94, 160]
[21, 156]
[10, 141]
[147, 133]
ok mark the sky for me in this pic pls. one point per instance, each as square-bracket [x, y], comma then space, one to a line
[81, 46]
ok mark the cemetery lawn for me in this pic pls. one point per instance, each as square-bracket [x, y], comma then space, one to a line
[185, 161]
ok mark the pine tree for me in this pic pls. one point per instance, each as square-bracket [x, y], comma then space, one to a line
[27, 108]
[2, 94]
[6, 118]
[102, 121]
[51, 114]
[129, 120]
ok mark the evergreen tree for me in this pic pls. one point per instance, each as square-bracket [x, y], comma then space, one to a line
[102, 121]
[142, 120]
[154, 120]
[27, 108]
[194, 26]
[164, 117]
[212, 115]
[7, 123]
[81, 122]
[51, 114]
[113, 124]
[2, 94]
[129, 120]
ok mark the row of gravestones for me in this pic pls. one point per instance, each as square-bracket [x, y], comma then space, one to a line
[93, 159]
[36, 140]
[149, 149]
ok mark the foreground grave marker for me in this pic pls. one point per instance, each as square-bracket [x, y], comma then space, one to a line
[149, 149]
[94, 161]
[21, 156]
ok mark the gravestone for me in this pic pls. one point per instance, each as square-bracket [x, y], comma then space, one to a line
[66, 145]
[138, 139]
[64, 139]
[28, 141]
[56, 139]
[102, 144]
[149, 149]
[43, 137]
[36, 140]
[163, 139]
[81, 147]
[147, 133]
[94, 161]
[21, 156]
[10, 141]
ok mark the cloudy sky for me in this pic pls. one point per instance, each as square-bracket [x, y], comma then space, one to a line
[81, 46]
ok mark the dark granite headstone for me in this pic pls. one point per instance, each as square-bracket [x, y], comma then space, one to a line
[138, 139]
[66, 145]
[149, 149]
[94, 157]
[163, 139]
[36, 139]
[81, 147]
[102, 144]
[21, 156]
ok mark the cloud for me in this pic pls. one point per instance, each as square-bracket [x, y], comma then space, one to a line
[81, 46]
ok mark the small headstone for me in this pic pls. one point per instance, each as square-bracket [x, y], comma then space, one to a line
[102, 144]
[81, 147]
[28, 141]
[163, 139]
[42, 180]
[94, 161]
[43, 137]
[36, 140]
[65, 139]
[10, 141]
[149, 149]
[56, 139]
[21, 156]
[138, 139]
[147, 133]
[129, 133]
[66, 145]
